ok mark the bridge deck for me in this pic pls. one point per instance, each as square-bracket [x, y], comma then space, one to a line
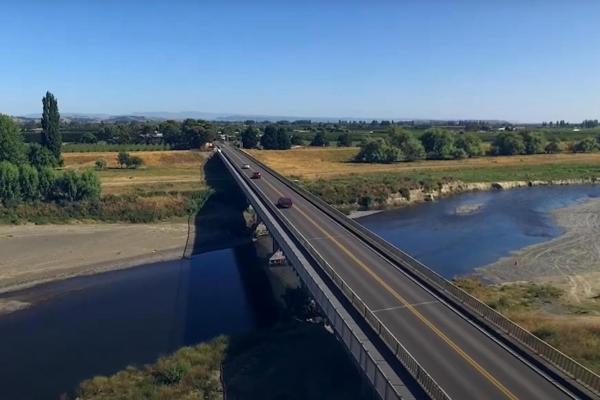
[465, 361]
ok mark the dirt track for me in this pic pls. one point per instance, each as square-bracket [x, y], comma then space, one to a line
[571, 261]
[31, 254]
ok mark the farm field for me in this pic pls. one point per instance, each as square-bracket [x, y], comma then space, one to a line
[326, 163]
[162, 171]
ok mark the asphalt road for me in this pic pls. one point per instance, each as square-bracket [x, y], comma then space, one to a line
[466, 362]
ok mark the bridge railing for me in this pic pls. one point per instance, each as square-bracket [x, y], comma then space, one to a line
[402, 354]
[435, 281]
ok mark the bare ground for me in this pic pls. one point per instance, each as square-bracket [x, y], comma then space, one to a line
[571, 261]
[32, 254]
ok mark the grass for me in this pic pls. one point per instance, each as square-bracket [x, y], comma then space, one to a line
[163, 171]
[545, 311]
[329, 173]
[326, 163]
[170, 185]
[190, 373]
[270, 364]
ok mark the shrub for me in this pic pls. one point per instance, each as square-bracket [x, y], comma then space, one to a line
[46, 181]
[134, 162]
[554, 146]
[123, 159]
[508, 143]
[470, 143]
[535, 142]
[40, 156]
[71, 186]
[344, 140]
[438, 144]
[29, 182]
[89, 137]
[377, 151]
[586, 145]
[9, 182]
[101, 164]
[413, 149]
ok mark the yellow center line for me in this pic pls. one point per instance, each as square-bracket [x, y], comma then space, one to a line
[406, 304]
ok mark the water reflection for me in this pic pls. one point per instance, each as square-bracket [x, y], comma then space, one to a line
[99, 324]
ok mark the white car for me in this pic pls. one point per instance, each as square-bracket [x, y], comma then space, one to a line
[245, 166]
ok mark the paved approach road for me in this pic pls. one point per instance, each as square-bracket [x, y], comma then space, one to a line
[465, 362]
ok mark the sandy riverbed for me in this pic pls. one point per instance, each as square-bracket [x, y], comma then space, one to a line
[32, 254]
[571, 261]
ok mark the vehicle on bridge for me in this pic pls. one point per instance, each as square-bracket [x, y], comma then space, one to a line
[246, 166]
[255, 175]
[284, 202]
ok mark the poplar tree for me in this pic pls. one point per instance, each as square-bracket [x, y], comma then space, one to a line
[51, 136]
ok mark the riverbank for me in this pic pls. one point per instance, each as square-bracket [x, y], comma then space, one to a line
[570, 261]
[33, 254]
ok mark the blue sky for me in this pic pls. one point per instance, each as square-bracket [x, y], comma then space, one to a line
[515, 60]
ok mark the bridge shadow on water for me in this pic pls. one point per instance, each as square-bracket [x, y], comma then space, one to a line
[220, 223]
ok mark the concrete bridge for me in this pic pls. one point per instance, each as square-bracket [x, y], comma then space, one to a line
[413, 333]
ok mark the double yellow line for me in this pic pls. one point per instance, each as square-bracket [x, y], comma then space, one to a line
[405, 303]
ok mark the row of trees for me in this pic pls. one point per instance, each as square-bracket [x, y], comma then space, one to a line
[511, 143]
[434, 144]
[26, 183]
[27, 171]
[272, 138]
[189, 134]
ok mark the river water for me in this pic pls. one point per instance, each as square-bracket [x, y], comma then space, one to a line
[99, 324]
[454, 243]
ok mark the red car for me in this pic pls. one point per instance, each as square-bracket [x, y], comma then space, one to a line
[255, 175]
[284, 202]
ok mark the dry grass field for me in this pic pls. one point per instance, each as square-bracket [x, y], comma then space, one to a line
[162, 171]
[313, 163]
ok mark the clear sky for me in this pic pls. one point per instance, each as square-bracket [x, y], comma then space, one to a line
[517, 60]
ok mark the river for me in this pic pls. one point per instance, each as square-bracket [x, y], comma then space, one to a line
[86, 326]
[459, 233]
[99, 324]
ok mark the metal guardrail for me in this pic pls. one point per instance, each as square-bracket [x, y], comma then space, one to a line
[402, 354]
[479, 309]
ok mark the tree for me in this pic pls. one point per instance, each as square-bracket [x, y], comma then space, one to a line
[12, 148]
[319, 140]
[134, 162]
[9, 182]
[269, 138]
[249, 138]
[344, 140]
[377, 151]
[40, 156]
[51, 136]
[283, 139]
[508, 143]
[413, 149]
[438, 144]
[470, 143]
[89, 137]
[297, 140]
[123, 159]
[585, 145]
[29, 182]
[535, 142]
[554, 146]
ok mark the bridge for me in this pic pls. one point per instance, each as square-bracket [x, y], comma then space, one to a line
[413, 333]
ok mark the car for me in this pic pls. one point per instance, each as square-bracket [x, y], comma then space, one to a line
[245, 166]
[284, 202]
[255, 175]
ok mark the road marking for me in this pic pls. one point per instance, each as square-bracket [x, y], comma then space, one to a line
[407, 305]
[403, 306]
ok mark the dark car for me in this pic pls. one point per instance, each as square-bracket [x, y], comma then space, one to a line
[255, 175]
[284, 202]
